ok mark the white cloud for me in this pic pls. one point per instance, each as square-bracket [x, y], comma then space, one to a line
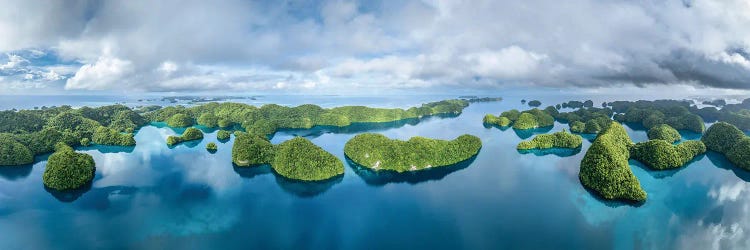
[103, 74]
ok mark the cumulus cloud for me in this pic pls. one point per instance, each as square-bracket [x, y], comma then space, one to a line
[266, 45]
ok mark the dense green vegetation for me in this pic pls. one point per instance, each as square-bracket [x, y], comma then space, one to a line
[107, 136]
[560, 139]
[250, 150]
[501, 121]
[533, 118]
[664, 132]
[190, 134]
[180, 120]
[67, 169]
[211, 146]
[13, 153]
[605, 168]
[300, 159]
[728, 140]
[660, 154]
[223, 135]
[535, 103]
[378, 152]
[209, 120]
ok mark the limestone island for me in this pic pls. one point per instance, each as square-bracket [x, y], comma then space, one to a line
[560, 139]
[529, 119]
[297, 159]
[661, 154]
[190, 134]
[728, 140]
[605, 169]
[378, 152]
[664, 132]
[67, 169]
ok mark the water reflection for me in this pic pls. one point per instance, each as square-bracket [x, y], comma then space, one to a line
[68, 196]
[306, 189]
[661, 174]
[294, 187]
[722, 162]
[561, 152]
[15, 172]
[382, 177]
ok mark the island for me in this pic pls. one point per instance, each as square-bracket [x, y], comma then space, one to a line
[534, 103]
[251, 150]
[664, 132]
[534, 118]
[67, 169]
[211, 147]
[223, 135]
[561, 139]
[501, 121]
[108, 136]
[180, 121]
[728, 140]
[605, 169]
[13, 153]
[297, 159]
[378, 152]
[661, 154]
[300, 159]
[190, 134]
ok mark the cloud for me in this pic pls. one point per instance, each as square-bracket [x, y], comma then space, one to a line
[192, 45]
[102, 74]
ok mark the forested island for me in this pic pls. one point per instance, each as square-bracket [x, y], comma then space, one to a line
[605, 168]
[67, 169]
[529, 119]
[560, 139]
[378, 152]
[297, 159]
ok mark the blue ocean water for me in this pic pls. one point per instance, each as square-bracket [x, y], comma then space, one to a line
[155, 197]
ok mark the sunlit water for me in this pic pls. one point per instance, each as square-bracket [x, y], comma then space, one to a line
[153, 196]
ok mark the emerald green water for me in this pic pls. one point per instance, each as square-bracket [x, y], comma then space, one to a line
[155, 197]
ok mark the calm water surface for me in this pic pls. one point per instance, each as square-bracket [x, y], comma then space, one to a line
[154, 197]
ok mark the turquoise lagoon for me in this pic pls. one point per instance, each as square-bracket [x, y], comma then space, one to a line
[152, 196]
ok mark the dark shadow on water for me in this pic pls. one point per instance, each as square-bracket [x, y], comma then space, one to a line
[68, 196]
[212, 151]
[489, 126]
[526, 133]
[658, 174]
[12, 173]
[382, 177]
[587, 136]
[613, 203]
[722, 162]
[189, 144]
[295, 187]
[561, 152]
[252, 171]
[359, 127]
[206, 130]
[306, 189]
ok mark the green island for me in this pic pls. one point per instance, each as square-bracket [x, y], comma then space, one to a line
[560, 139]
[211, 146]
[67, 169]
[13, 153]
[605, 168]
[190, 134]
[300, 159]
[529, 119]
[297, 159]
[534, 103]
[378, 152]
[223, 135]
[664, 132]
[730, 141]
[661, 154]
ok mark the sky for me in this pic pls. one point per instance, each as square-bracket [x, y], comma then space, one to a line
[390, 46]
